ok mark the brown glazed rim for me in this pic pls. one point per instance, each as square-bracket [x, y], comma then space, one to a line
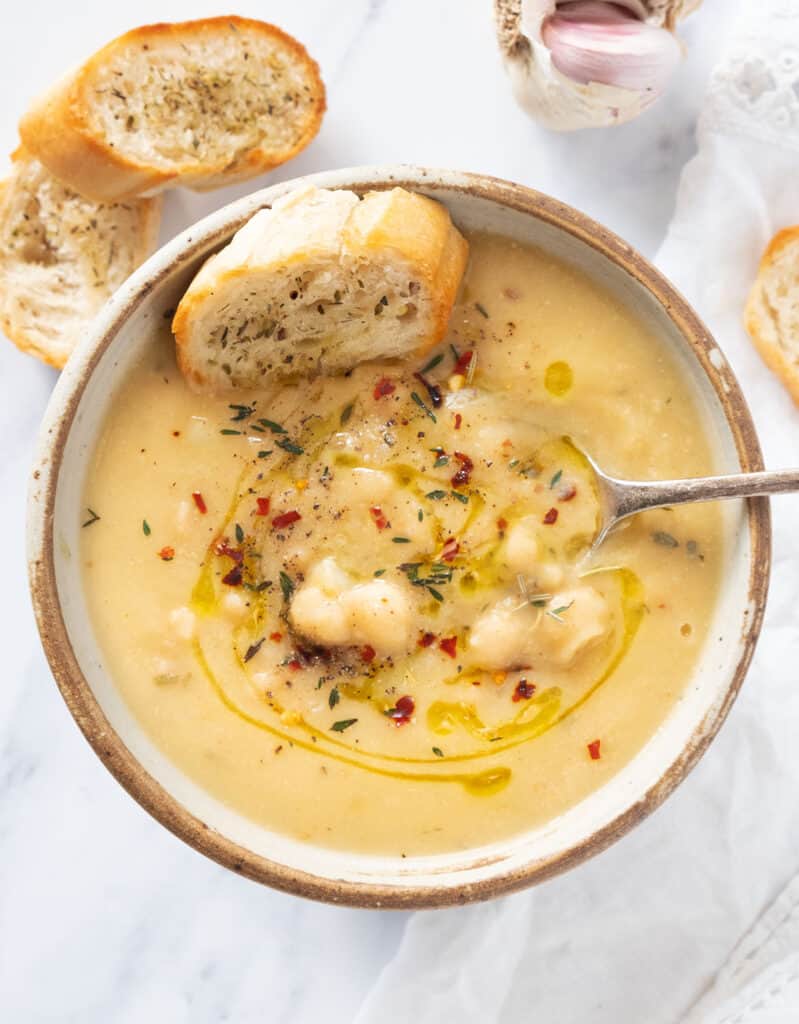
[81, 701]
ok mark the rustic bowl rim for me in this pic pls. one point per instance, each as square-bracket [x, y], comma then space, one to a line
[78, 695]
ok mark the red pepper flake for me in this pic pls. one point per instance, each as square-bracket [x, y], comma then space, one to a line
[448, 645]
[276, 637]
[593, 750]
[199, 501]
[234, 577]
[567, 493]
[551, 517]
[523, 691]
[383, 387]
[464, 473]
[286, 519]
[458, 420]
[450, 550]
[427, 639]
[463, 363]
[378, 518]
[368, 653]
[502, 524]
[402, 711]
[224, 549]
[295, 664]
[166, 554]
[264, 505]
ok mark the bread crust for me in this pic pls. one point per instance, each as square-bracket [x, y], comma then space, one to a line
[760, 318]
[57, 131]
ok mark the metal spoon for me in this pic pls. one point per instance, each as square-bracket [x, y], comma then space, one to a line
[620, 499]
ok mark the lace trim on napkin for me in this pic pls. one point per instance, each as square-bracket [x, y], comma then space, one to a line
[755, 88]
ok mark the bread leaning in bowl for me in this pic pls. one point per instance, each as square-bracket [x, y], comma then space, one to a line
[61, 257]
[772, 310]
[200, 103]
[318, 283]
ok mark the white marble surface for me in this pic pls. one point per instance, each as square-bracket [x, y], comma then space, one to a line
[105, 917]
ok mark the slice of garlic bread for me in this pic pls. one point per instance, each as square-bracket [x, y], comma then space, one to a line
[200, 103]
[61, 256]
[318, 283]
[772, 311]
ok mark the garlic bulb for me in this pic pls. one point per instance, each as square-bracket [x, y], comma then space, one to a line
[589, 63]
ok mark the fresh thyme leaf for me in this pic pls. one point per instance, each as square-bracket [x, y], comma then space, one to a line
[239, 533]
[442, 460]
[420, 515]
[436, 495]
[401, 540]
[481, 310]
[513, 463]
[557, 613]
[378, 572]
[461, 497]
[420, 402]
[243, 412]
[665, 539]
[145, 528]
[346, 412]
[286, 585]
[264, 455]
[93, 518]
[554, 481]
[432, 364]
[319, 683]
[253, 649]
[227, 430]
[455, 353]
[256, 428]
[274, 427]
[333, 697]
[345, 723]
[438, 751]
[289, 446]
[436, 594]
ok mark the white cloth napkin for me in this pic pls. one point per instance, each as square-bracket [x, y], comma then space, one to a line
[639, 934]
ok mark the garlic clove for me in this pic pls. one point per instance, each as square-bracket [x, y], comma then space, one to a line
[588, 63]
[591, 41]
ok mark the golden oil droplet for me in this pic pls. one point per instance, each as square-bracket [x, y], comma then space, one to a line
[558, 379]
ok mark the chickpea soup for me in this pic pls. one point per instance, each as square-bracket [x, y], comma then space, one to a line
[360, 610]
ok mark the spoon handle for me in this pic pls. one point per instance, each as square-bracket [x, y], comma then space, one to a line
[637, 495]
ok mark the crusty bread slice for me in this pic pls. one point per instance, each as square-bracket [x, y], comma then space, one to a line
[200, 103]
[321, 281]
[61, 256]
[772, 312]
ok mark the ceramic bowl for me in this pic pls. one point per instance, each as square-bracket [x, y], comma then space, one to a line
[73, 425]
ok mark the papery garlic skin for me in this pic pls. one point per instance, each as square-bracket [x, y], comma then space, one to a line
[588, 63]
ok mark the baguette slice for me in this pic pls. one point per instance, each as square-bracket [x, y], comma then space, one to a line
[321, 281]
[61, 256]
[200, 103]
[772, 311]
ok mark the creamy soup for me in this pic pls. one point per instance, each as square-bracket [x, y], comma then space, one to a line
[361, 610]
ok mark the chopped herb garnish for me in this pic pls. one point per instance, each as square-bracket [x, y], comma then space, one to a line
[438, 751]
[243, 412]
[455, 353]
[433, 363]
[256, 428]
[289, 446]
[346, 412]
[442, 460]
[378, 572]
[145, 528]
[345, 723]
[333, 697]
[253, 649]
[274, 427]
[228, 431]
[513, 463]
[401, 540]
[665, 539]
[93, 518]
[420, 402]
[264, 455]
[557, 613]
[436, 594]
[481, 309]
[239, 533]
[319, 683]
[286, 585]
[555, 479]
[436, 495]
[461, 497]
[420, 515]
